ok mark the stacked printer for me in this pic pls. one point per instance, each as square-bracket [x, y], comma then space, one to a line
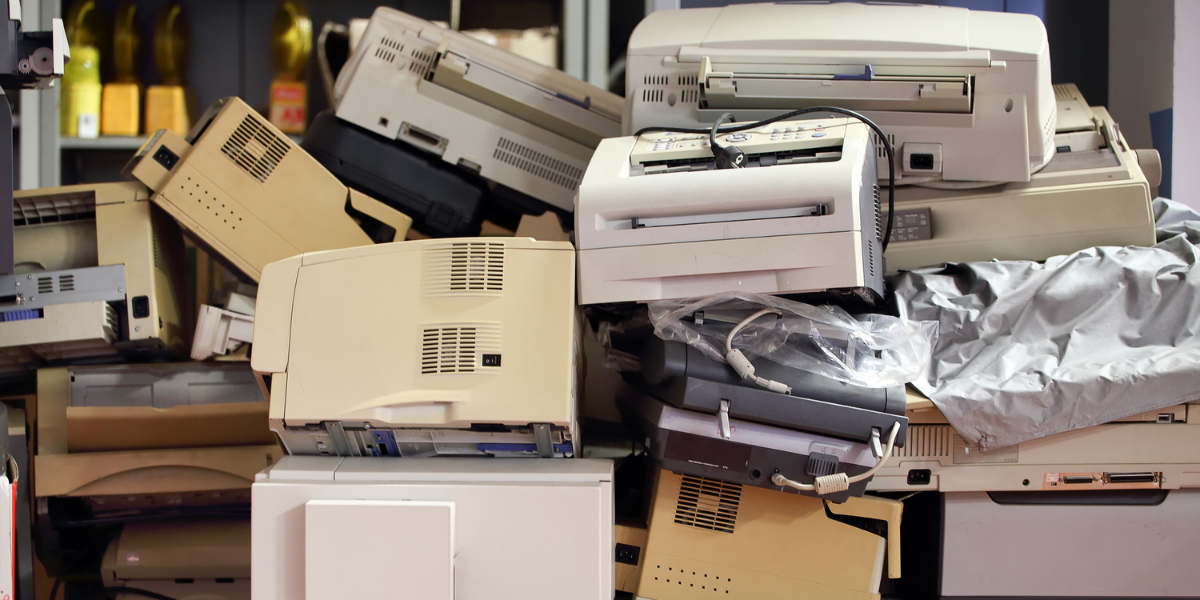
[139, 455]
[990, 160]
[425, 391]
[450, 130]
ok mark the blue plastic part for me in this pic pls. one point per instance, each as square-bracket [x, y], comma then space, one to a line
[867, 75]
[21, 315]
[386, 441]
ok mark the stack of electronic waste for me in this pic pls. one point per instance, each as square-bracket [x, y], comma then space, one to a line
[98, 301]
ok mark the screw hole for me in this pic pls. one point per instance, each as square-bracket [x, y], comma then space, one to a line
[1008, 105]
[1025, 482]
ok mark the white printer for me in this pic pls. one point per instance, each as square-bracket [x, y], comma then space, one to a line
[965, 95]
[419, 348]
[328, 528]
[522, 125]
[655, 220]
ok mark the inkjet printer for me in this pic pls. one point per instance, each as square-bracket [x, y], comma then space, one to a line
[411, 84]
[249, 194]
[656, 220]
[701, 418]
[1096, 191]
[963, 95]
[98, 275]
[427, 347]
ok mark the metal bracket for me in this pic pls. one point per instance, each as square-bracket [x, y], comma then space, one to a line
[337, 434]
[541, 436]
[723, 418]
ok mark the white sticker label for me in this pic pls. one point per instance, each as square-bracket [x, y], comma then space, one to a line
[89, 125]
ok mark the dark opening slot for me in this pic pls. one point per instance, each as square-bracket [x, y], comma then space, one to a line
[8, 300]
[423, 136]
[1076, 479]
[224, 580]
[185, 580]
[1131, 477]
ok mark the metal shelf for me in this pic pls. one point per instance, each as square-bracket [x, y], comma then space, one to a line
[104, 142]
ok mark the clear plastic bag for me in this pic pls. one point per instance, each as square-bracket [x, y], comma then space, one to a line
[870, 350]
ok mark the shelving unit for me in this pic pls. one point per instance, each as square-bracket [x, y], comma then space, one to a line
[244, 69]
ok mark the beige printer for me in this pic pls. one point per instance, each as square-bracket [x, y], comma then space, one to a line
[710, 539]
[183, 560]
[245, 190]
[430, 347]
[98, 274]
[1096, 191]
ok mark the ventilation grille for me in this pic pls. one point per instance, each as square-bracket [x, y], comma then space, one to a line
[531, 161]
[459, 348]
[878, 231]
[1062, 91]
[388, 49]
[255, 148]
[687, 79]
[691, 95]
[1051, 125]
[49, 284]
[927, 441]
[649, 95]
[421, 61]
[881, 152]
[160, 261]
[54, 209]
[708, 504]
[464, 269]
[655, 79]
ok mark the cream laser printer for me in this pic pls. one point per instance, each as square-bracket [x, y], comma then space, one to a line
[328, 528]
[246, 191]
[965, 95]
[529, 128]
[429, 347]
[1096, 191]
[99, 273]
[185, 560]
[654, 220]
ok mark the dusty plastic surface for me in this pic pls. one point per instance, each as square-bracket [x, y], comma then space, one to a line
[868, 350]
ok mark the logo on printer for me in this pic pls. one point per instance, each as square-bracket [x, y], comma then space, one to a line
[491, 360]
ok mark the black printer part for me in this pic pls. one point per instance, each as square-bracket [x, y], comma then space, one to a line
[442, 200]
[662, 360]
[769, 408]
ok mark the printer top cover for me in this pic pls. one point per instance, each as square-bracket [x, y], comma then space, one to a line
[428, 333]
[925, 74]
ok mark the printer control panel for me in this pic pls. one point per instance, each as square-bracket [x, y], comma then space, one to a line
[780, 137]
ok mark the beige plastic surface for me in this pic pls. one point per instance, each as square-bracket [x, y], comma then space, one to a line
[127, 230]
[184, 549]
[628, 576]
[248, 192]
[348, 327]
[1138, 444]
[65, 331]
[781, 546]
[1032, 221]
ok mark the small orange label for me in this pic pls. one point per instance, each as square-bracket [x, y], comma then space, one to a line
[289, 106]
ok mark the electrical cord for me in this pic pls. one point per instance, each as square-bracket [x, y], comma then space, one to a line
[839, 482]
[883, 139]
[741, 364]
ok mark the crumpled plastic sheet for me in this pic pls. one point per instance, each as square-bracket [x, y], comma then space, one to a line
[1027, 350]
[869, 350]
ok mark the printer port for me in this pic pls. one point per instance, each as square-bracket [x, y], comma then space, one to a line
[920, 162]
[1131, 477]
[1078, 479]
[919, 476]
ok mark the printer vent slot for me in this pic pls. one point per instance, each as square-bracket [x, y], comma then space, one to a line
[881, 152]
[927, 441]
[1062, 91]
[421, 61]
[464, 269]
[690, 95]
[651, 95]
[1051, 125]
[708, 504]
[255, 148]
[531, 161]
[384, 54]
[460, 348]
[160, 262]
[54, 208]
[45, 285]
[687, 79]
[66, 283]
[878, 215]
[388, 49]
[660, 79]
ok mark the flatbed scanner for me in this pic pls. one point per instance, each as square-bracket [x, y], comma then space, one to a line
[964, 95]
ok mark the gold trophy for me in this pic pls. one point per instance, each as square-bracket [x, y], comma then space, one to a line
[121, 107]
[167, 102]
[291, 43]
[79, 115]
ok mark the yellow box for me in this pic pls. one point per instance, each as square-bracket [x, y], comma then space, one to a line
[167, 108]
[120, 109]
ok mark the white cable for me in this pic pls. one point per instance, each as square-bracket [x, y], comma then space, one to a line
[742, 365]
[839, 482]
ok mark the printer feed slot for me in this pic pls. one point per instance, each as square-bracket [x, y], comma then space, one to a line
[556, 111]
[789, 91]
[815, 210]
